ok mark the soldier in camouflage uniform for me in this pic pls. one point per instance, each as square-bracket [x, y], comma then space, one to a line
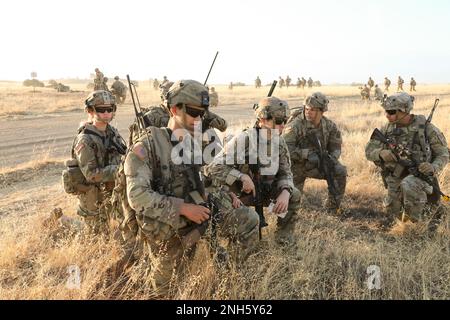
[400, 83]
[304, 156]
[257, 82]
[280, 82]
[387, 84]
[310, 82]
[422, 142]
[155, 84]
[365, 92]
[213, 98]
[119, 90]
[303, 83]
[104, 86]
[412, 85]
[378, 93]
[298, 83]
[97, 150]
[370, 83]
[168, 197]
[288, 81]
[98, 81]
[277, 186]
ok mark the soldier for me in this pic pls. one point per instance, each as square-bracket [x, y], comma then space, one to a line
[104, 85]
[155, 84]
[306, 157]
[213, 98]
[97, 150]
[277, 185]
[412, 85]
[400, 83]
[168, 198]
[387, 84]
[257, 82]
[378, 93]
[365, 92]
[299, 83]
[165, 81]
[98, 81]
[370, 83]
[288, 82]
[303, 83]
[280, 82]
[310, 82]
[230, 86]
[119, 90]
[418, 141]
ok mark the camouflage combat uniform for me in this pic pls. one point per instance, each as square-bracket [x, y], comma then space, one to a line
[98, 160]
[370, 83]
[427, 144]
[378, 93]
[98, 81]
[119, 90]
[400, 83]
[228, 175]
[156, 187]
[213, 98]
[412, 85]
[300, 148]
[387, 84]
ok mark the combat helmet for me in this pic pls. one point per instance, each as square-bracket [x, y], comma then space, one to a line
[317, 100]
[398, 101]
[271, 108]
[188, 92]
[116, 78]
[100, 97]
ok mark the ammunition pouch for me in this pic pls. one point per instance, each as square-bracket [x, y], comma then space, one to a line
[73, 179]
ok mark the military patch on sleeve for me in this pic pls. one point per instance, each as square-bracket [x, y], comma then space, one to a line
[79, 147]
[139, 150]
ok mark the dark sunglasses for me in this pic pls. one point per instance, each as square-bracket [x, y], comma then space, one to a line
[280, 121]
[103, 109]
[391, 112]
[194, 113]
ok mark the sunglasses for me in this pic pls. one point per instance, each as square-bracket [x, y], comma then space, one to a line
[391, 112]
[194, 112]
[104, 109]
[280, 121]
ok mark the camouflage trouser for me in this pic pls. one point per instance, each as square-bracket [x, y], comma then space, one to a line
[168, 257]
[94, 213]
[410, 194]
[302, 172]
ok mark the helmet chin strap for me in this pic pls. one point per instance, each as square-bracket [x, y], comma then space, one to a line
[398, 120]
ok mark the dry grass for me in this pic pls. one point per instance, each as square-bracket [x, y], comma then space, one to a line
[328, 260]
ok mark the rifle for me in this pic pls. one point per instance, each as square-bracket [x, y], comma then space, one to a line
[326, 164]
[404, 158]
[256, 172]
[206, 80]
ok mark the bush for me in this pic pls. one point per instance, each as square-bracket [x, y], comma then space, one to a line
[33, 83]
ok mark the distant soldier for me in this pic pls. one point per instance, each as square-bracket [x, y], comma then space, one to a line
[298, 83]
[230, 86]
[119, 90]
[288, 82]
[411, 139]
[310, 82]
[280, 82]
[370, 83]
[365, 92]
[387, 84]
[378, 93]
[62, 88]
[303, 83]
[213, 98]
[258, 82]
[400, 83]
[105, 84]
[412, 85]
[155, 84]
[98, 80]
[165, 81]
[300, 133]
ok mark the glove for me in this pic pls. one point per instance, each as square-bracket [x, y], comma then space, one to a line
[313, 158]
[426, 168]
[387, 156]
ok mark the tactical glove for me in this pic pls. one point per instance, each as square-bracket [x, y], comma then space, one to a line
[387, 156]
[426, 168]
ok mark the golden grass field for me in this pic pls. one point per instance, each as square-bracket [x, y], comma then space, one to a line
[328, 260]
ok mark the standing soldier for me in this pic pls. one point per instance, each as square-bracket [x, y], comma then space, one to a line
[275, 186]
[310, 82]
[155, 84]
[301, 135]
[303, 83]
[365, 92]
[400, 83]
[288, 82]
[119, 90]
[411, 139]
[280, 82]
[165, 81]
[104, 85]
[257, 82]
[299, 83]
[370, 83]
[387, 84]
[96, 151]
[412, 84]
[98, 80]
[230, 86]
[378, 93]
[169, 199]
[213, 97]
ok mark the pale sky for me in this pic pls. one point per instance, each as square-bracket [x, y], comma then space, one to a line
[332, 41]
